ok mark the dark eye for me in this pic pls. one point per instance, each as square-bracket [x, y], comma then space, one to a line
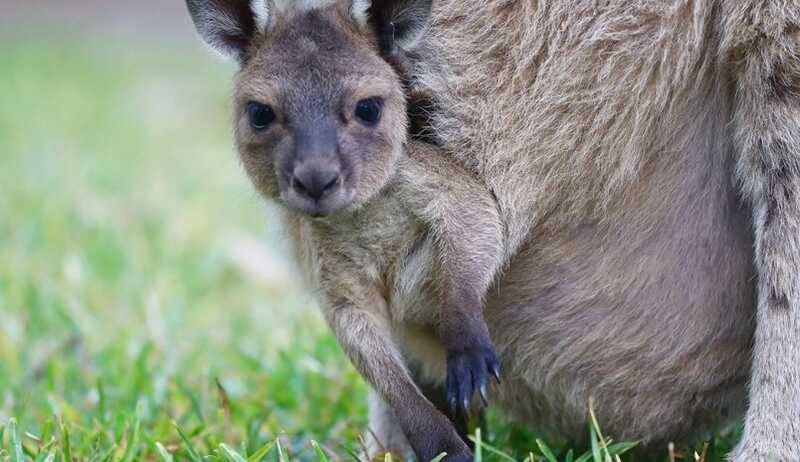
[260, 115]
[368, 111]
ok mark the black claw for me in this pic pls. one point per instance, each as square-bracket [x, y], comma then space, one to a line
[495, 369]
[484, 399]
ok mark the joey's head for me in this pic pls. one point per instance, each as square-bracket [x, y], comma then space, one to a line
[319, 111]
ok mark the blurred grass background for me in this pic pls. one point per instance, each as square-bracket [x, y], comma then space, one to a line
[142, 281]
[137, 267]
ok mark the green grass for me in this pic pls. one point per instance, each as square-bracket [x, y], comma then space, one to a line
[145, 312]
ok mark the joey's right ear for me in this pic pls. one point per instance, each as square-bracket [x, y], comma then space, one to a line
[228, 26]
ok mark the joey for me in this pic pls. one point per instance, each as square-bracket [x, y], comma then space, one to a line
[321, 127]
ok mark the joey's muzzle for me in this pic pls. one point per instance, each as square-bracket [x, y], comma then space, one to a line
[315, 172]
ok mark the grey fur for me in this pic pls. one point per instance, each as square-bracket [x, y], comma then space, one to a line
[639, 152]
[617, 136]
[764, 42]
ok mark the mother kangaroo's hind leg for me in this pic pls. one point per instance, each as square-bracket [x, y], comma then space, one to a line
[762, 41]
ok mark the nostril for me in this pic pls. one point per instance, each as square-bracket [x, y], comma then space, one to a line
[299, 186]
[331, 184]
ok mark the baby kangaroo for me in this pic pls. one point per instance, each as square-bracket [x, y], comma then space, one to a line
[385, 227]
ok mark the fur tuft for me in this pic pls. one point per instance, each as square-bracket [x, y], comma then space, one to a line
[301, 5]
[359, 10]
[261, 14]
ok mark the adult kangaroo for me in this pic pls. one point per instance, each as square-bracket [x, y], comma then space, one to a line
[646, 160]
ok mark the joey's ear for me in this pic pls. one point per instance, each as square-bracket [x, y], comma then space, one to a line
[400, 24]
[228, 26]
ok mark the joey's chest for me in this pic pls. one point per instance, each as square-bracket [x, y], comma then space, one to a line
[375, 236]
[381, 248]
[365, 246]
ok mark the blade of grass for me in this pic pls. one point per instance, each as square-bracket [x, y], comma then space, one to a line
[320, 453]
[232, 455]
[261, 453]
[33, 438]
[132, 448]
[546, 452]
[596, 457]
[189, 447]
[702, 454]
[494, 450]
[15, 442]
[162, 451]
[363, 444]
[618, 449]
[109, 455]
[66, 448]
[281, 455]
[596, 426]
[478, 446]
[48, 456]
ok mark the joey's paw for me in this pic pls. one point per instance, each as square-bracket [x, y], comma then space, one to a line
[468, 371]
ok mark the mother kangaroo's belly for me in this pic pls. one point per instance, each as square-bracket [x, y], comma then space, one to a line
[647, 312]
[635, 285]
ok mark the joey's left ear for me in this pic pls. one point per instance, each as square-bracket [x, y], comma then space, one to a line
[400, 24]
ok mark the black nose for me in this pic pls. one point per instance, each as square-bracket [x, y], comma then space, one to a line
[315, 180]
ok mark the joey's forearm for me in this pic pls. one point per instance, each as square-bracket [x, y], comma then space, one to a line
[470, 256]
[460, 212]
[463, 217]
[461, 320]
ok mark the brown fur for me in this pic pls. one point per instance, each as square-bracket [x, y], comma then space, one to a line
[619, 137]
[610, 133]
[407, 230]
